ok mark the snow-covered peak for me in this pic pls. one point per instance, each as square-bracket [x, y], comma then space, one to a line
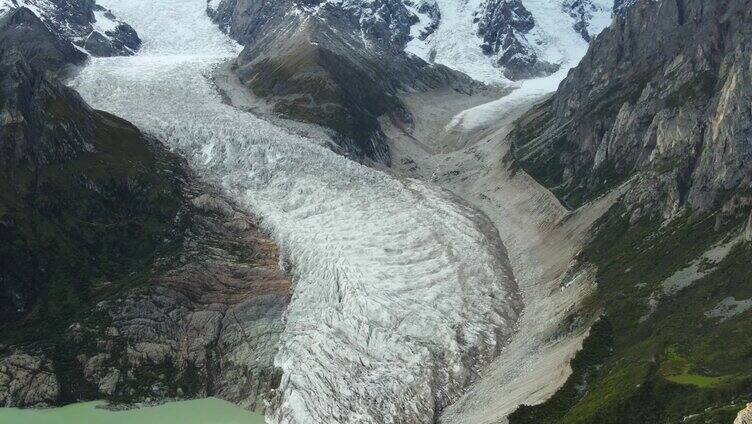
[497, 40]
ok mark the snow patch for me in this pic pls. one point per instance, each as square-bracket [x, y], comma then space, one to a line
[456, 43]
[104, 22]
[729, 308]
[213, 4]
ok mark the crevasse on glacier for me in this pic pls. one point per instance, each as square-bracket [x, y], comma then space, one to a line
[401, 292]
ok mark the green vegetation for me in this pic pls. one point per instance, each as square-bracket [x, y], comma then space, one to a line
[320, 86]
[86, 209]
[81, 228]
[675, 362]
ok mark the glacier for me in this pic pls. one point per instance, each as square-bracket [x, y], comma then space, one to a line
[402, 293]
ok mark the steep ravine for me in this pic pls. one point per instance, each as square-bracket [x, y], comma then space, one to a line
[401, 292]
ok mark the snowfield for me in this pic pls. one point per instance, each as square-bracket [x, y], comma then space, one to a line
[402, 292]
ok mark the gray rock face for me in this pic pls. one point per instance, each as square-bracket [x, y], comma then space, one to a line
[335, 64]
[621, 6]
[582, 12]
[207, 325]
[23, 31]
[430, 9]
[26, 380]
[661, 93]
[33, 134]
[503, 25]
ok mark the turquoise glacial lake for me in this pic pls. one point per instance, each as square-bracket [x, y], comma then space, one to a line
[200, 411]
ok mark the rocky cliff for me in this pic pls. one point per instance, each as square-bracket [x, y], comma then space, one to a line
[661, 94]
[503, 26]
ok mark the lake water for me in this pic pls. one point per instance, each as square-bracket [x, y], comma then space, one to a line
[200, 411]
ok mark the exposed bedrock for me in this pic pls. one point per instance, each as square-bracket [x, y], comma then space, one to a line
[503, 25]
[662, 93]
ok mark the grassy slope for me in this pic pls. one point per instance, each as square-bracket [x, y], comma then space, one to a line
[674, 364]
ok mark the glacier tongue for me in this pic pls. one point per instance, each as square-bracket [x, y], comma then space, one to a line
[401, 292]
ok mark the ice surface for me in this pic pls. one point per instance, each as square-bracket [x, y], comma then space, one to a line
[401, 293]
[525, 92]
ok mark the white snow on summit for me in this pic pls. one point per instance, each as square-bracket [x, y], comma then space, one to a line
[456, 42]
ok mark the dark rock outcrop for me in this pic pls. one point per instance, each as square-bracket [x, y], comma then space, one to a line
[582, 13]
[23, 31]
[27, 380]
[84, 24]
[662, 93]
[621, 6]
[503, 25]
